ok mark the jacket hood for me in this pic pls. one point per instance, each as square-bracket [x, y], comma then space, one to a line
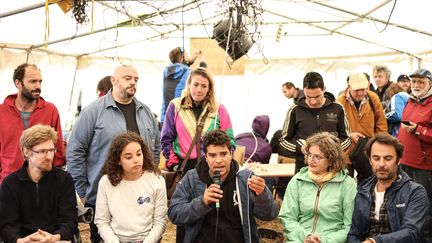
[203, 171]
[261, 125]
[301, 101]
[370, 182]
[175, 70]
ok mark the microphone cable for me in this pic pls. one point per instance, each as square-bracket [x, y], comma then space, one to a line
[217, 225]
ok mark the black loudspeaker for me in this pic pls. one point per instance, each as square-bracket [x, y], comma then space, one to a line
[238, 44]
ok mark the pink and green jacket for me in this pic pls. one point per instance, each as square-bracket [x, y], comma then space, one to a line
[180, 125]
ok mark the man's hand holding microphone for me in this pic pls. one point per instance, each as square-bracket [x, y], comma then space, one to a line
[213, 193]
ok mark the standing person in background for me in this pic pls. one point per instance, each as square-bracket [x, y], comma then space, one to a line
[416, 134]
[115, 113]
[290, 91]
[175, 75]
[316, 111]
[181, 121]
[131, 203]
[394, 109]
[103, 86]
[319, 200]
[21, 111]
[381, 75]
[38, 202]
[183, 115]
[365, 116]
[404, 82]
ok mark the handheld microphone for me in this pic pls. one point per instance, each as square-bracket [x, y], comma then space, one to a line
[217, 181]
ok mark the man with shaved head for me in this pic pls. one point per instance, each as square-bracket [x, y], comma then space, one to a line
[116, 112]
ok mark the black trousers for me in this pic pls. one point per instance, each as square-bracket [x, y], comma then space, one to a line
[94, 234]
[180, 234]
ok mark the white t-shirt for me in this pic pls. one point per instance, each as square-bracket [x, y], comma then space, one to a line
[132, 210]
[379, 199]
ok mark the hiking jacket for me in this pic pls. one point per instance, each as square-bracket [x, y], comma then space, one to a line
[188, 209]
[326, 211]
[407, 209]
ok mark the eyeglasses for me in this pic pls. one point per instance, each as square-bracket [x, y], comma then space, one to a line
[44, 152]
[314, 157]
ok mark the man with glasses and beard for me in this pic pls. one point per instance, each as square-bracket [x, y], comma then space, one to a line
[102, 120]
[37, 202]
[23, 110]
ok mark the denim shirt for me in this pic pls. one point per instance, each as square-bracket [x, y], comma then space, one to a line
[91, 138]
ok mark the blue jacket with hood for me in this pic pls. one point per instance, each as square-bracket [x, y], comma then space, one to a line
[407, 208]
[188, 209]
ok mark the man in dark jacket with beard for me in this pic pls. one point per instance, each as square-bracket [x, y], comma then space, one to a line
[389, 206]
[314, 112]
[225, 211]
[257, 147]
[37, 202]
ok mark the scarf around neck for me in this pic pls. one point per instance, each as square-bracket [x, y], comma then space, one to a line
[321, 178]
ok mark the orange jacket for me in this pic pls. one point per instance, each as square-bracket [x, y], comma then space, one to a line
[364, 121]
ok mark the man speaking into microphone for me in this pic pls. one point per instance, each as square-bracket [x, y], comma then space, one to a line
[218, 201]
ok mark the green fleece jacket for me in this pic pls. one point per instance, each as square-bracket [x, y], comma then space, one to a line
[326, 211]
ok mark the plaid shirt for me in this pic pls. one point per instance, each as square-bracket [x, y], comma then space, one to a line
[381, 226]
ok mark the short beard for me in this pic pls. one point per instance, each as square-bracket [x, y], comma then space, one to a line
[27, 96]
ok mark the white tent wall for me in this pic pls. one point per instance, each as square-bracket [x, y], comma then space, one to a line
[256, 92]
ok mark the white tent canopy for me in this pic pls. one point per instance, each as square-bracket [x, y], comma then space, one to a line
[333, 37]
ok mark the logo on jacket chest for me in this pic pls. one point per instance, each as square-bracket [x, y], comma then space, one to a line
[331, 117]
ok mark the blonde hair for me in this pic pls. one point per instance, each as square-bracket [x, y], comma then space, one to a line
[210, 97]
[35, 135]
[330, 146]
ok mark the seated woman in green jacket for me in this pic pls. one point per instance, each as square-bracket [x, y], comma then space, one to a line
[319, 200]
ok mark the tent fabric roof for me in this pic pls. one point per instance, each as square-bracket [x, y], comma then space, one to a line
[132, 29]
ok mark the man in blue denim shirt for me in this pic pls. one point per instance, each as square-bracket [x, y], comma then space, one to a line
[108, 116]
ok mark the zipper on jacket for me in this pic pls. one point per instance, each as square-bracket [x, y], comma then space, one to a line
[315, 222]
[37, 194]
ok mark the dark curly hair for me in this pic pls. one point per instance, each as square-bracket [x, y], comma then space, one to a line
[112, 167]
[216, 137]
[20, 71]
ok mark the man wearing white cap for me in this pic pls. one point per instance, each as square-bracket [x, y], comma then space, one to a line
[364, 113]
[416, 134]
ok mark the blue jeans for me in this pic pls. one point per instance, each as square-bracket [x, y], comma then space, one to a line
[424, 178]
